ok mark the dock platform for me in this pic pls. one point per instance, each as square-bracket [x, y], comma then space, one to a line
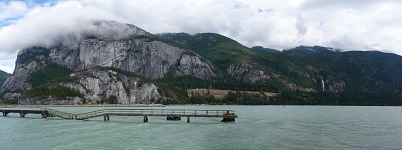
[170, 114]
[22, 112]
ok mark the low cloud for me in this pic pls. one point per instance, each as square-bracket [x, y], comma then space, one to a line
[300, 25]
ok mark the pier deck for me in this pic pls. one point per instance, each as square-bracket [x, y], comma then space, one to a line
[170, 114]
[23, 112]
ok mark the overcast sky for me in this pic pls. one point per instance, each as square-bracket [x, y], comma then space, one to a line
[278, 24]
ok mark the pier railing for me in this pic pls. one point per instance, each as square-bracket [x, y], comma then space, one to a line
[56, 113]
[156, 112]
[170, 114]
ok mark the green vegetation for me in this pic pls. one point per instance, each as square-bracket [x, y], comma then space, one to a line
[47, 74]
[10, 101]
[56, 92]
[218, 49]
[43, 81]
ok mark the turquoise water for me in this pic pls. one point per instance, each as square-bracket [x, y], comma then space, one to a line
[258, 127]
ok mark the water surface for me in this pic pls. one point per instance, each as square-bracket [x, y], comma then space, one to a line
[258, 127]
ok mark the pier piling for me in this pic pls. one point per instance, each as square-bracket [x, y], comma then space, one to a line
[105, 117]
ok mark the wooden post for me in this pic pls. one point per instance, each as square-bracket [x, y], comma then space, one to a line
[22, 114]
[105, 117]
[188, 119]
[45, 114]
[145, 118]
[228, 119]
[5, 113]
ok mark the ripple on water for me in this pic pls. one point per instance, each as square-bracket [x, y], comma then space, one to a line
[258, 127]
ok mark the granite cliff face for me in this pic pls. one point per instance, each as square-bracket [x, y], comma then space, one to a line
[137, 53]
[99, 86]
[246, 73]
[103, 84]
[25, 65]
[153, 59]
[330, 84]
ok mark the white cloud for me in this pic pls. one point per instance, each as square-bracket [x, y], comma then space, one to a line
[344, 24]
[301, 27]
[12, 9]
[7, 65]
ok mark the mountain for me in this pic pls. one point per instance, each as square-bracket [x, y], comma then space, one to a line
[140, 67]
[261, 49]
[100, 68]
[371, 71]
[305, 74]
[230, 58]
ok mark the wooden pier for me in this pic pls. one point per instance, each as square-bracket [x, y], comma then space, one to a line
[22, 112]
[170, 114]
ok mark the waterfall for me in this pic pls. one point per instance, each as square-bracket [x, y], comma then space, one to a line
[322, 84]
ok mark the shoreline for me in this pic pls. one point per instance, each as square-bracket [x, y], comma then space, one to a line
[86, 105]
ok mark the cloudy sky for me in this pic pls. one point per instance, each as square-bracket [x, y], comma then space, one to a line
[278, 24]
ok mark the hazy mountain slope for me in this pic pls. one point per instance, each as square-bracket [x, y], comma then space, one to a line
[3, 76]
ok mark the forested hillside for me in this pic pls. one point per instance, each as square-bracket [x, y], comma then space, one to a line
[303, 75]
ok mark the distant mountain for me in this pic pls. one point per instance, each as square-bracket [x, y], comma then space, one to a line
[143, 68]
[372, 71]
[312, 50]
[3, 76]
[264, 50]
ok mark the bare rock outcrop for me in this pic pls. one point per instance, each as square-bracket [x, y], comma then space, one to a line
[246, 73]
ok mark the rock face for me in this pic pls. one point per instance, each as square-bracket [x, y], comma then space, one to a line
[104, 84]
[99, 86]
[193, 66]
[153, 59]
[25, 65]
[246, 73]
[137, 52]
[330, 84]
